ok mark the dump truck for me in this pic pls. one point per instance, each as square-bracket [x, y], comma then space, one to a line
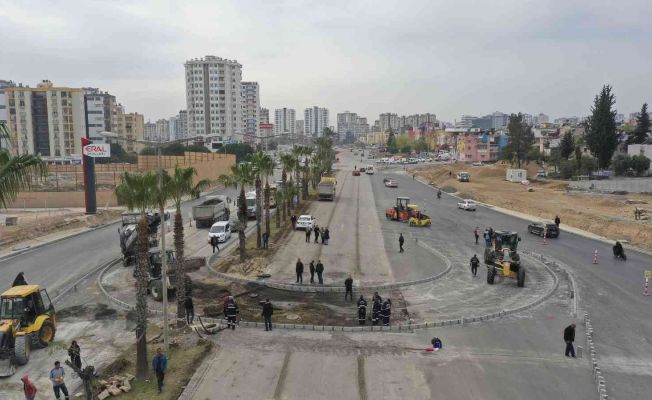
[326, 188]
[502, 259]
[128, 234]
[213, 209]
[27, 321]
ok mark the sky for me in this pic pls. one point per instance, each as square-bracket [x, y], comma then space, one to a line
[366, 56]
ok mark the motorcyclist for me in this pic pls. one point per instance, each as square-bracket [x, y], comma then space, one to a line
[619, 252]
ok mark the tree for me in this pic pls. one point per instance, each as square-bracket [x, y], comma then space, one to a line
[421, 145]
[118, 154]
[621, 163]
[258, 161]
[520, 139]
[601, 137]
[242, 174]
[640, 164]
[567, 145]
[16, 174]
[403, 143]
[265, 167]
[197, 148]
[288, 161]
[179, 185]
[392, 147]
[242, 151]
[140, 192]
[640, 134]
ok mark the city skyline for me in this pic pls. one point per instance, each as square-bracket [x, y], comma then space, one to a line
[550, 58]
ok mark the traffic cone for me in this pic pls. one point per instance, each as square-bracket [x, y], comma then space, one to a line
[544, 239]
[646, 288]
[595, 256]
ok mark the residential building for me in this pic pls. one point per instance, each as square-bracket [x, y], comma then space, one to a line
[299, 127]
[4, 111]
[388, 121]
[541, 119]
[134, 131]
[46, 120]
[264, 116]
[100, 108]
[183, 124]
[250, 92]
[284, 122]
[315, 120]
[266, 132]
[620, 118]
[214, 99]
[162, 131]
[347, 126]
[376, 126]
[174, 124]
[149, 131]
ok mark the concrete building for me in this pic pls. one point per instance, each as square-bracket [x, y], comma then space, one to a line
[100, 107]
[214, 98]
[315, 120]
[266, 133]
[388, 121]
[149, 130]
[284, 122]
[178, 125]
[162, 131]
[46, 120]
[264, 116]
[541, 119]
[250, 92]
[299, 127]
[4, 110]
[376, 126]
[134, 130]
[347, 126]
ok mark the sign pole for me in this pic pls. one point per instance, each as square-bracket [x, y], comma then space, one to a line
[88, 168]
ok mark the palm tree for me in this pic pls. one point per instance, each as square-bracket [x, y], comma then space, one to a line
[289, 162]
[256, 159]
[291, 191]
[241, 175]
[305, 168]
[264, 166]
[140, 192]
[279, 196]
[180, 185]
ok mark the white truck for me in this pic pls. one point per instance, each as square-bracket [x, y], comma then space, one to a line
[213, 209]
[250, 200]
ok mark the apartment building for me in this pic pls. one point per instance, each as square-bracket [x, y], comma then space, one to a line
[100, 111]
[4, 111]
[350, 126]
[150, 130]
[250, 92]
[284, 122]
[46, 120]
[388, 121]
[263, 116]
[162, 130]
[134, 130]
[299, 127]
[214, 98]
[315, 120]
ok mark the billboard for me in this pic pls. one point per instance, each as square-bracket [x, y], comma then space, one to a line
[97, 150]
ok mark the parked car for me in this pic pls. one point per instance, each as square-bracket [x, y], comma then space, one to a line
[221, 230]
[538, 227]
[306, 221]
[466, 204]
[356, 173]
[477, 164]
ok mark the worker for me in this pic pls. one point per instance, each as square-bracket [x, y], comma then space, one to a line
[214, 244]
[362, 310]
[348, 284]
[474, 265]
[265, 240]
[436, 343]
[29, 389]
[476, 233]
[377, 296]
[316, 229]
[74, 352]
[387, 311]
[293, 220]
[325, 236]
[319, 269]
[312, 271]
[159, 365]
[401, 240]
[20, 280]
[376, 309]
[57, 375]
[557, 221]
[438, 194]
[190, 310]
[308, 232]
[268, 310]
[569, 338]
[299, 269]
[231, 311]
[487, 237]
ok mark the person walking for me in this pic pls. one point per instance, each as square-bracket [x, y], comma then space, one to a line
[159, 365]
[215, 244]
[401, 240]
[57, 375]
[319, 269]
[293, 219]
[474, 265]
[348, 284]
[268, 310]
[29, 389]
[325, 236]
[487, 238]
[557, 221]
[311, 267]
[265, 240]
[569, 338]
[308, 232]
[299, 269]
[316, 229]
[476, 233]
[189, 306]
[231, 311]
[376, 309]
[387, 311]
[19, 280]
[74, 352]
[362, 310]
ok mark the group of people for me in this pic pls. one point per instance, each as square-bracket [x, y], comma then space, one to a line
[57, 376]
[381, 312]
[324, 233]
[313, 268]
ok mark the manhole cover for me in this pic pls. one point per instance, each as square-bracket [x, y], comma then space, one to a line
[292, 317]
[253, 295]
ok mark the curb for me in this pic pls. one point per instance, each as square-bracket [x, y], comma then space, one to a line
[62, 293]
[601, 384]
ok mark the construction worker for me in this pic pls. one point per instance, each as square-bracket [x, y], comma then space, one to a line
[557, 221]
[436, 343]
[362, 310]
[299, 269]
[401, 240]
[474, 265]
[387, 311]
[308, 232]
[348, 284]
[377, 296]
[487, 237]
[376, 309]
[268, 310]
[190, 310]
[319, 269]
[231, 311]
[312, 271]
[316, 234]
[214, 244]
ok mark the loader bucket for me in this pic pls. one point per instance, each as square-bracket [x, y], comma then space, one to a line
[6, 368]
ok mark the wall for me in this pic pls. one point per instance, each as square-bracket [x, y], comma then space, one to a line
[61, 199]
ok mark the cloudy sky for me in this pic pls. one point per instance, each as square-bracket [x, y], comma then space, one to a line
[368, 56]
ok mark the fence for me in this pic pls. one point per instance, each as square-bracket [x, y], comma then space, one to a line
[631, 185]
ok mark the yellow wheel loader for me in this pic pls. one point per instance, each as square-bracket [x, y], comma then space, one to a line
[502, 259]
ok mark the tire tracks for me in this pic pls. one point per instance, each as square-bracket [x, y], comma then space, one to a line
[282, 376]
[362, 381]
[332, 214]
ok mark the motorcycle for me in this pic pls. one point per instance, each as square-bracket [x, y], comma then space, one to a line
[619, 252]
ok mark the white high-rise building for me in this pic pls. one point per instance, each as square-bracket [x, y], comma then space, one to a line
[250, 111]
[284, 122]
[388, 121]
[263, 116]
[214, 99]
[149, 131]
[315, 120]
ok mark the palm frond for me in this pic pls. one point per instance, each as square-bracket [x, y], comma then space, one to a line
[16, 174]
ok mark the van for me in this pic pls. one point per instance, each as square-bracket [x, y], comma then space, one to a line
[221, 230]
[369, 170]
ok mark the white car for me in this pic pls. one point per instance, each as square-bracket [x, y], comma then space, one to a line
[466, 204]
[306, 222]
[221, 230]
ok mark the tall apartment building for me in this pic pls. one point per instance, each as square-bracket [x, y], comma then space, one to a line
[162, 130]
[541, 119]
[178, 126]
[250, 110]
[315, 120]
[100, 109]
[388, 121]
[134, 129]
[347, 125]
[149, 130]
[4, 111]
[214, 99]
[46, 120]
[284, 122]
[299, 127]
[263, 116]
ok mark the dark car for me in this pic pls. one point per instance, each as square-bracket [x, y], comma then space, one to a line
[538, 227]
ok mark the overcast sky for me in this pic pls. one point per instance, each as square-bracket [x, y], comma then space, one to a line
[446, 57]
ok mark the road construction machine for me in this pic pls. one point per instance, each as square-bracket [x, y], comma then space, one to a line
[129, 236]
[154, 274]
[403, 210]
[502, 259]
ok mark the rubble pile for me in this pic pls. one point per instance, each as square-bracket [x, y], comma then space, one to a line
[115, 386]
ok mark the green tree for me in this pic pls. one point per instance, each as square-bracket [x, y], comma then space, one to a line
[420, 145]
[640, 134]
[148, 151]
[520, 139]
[289, 163]
[392, 147]
[258, 161]
[242, 151]
[567, 145]
[197, 148]
[403, 142]
[265, 167]
[621, 163]
[242, 174]
[601, 137]
[640, 164]
[140, 192]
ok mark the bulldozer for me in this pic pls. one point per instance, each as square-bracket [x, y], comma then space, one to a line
[27, 321]
[502, 259]
[403, 210]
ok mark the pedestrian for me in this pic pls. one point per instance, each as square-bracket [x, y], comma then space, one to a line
[28, 388]
[308, 232]
[57, 375]
[387, 311]
[312, 271]
[377, 296]
[293, 219]
[268, 310]
[450, 174]
[319, 268]
[476, 233]
[436, 343]
[401, 240]
[316, 234]
[74, 352]
[557, 221]
[20, 280]
[376, 309]
[189, 306]
[487, 237]
[362, 310]
[325, 236]
[159, 365]
[299, 269]
[348, 284]
[491, 233]
[265, 240]
[231, 311]
[214, 244]
[569, 338]
[474, 265]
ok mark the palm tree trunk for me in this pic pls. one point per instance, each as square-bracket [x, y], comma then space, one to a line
[297, 178]
[284, 178]
[267, 190]
[180, 266]
[304, 183]
[242, 214]
[141, 299]
[259, 195]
